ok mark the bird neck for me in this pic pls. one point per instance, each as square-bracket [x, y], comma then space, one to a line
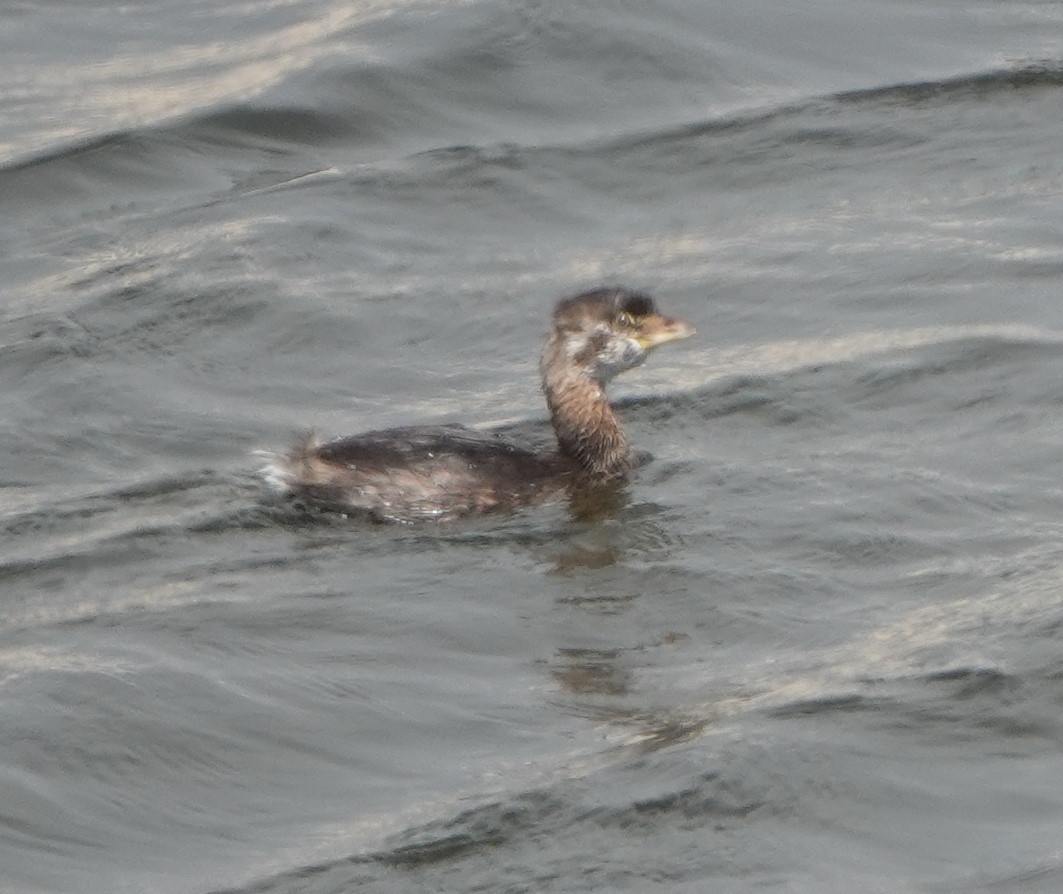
[587, 429]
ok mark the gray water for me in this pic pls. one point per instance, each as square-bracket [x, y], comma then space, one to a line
[816, 647]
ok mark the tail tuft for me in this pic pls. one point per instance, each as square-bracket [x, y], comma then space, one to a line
[300, 466]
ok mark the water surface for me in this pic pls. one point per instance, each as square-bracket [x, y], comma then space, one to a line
[815, 648]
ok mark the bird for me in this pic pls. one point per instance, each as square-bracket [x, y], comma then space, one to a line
[445, 472]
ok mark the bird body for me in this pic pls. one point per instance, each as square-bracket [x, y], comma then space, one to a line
[450, 471]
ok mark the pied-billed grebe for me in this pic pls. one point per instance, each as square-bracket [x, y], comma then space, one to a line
[449, 471]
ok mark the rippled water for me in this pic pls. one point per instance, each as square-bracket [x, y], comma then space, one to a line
[815, 648]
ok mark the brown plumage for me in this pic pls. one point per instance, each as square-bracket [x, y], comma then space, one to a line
[444, 472]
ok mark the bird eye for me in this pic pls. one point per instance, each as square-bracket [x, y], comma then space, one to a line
[626, 319]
